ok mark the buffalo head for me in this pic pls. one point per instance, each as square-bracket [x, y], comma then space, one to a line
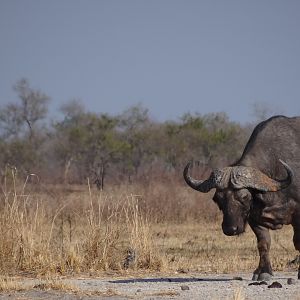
[234, 191]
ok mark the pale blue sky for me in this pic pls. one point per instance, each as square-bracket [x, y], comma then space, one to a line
[172, 56]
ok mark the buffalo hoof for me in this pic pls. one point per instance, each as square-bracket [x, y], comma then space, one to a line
[262, 277]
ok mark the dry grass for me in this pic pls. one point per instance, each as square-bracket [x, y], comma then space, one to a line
[204, 248]
[69, 230]
[164, 294]
[57, 285]
[238, 294]
[9, 284]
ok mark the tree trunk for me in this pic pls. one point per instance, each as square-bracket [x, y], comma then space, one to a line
[66, 170]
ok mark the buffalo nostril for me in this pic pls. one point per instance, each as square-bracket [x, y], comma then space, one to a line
[234, 229]
[230, 230]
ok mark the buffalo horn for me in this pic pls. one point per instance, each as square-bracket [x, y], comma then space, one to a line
[218, 179]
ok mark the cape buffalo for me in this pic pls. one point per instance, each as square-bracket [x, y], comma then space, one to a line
[262, 188]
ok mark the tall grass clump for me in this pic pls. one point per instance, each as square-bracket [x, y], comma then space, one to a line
[119, 235]
[59, 233]
[141, 254]
[26, 226]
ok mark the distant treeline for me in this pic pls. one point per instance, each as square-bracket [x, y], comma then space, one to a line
[110, 149]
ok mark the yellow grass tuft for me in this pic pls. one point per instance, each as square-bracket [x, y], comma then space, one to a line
[9, 284]
[57, 285]
[164, 294]
[238, 294]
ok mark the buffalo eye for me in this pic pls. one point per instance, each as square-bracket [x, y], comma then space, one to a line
[219, 200]
[244, 197]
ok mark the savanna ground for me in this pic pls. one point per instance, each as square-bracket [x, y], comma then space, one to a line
[55, 238]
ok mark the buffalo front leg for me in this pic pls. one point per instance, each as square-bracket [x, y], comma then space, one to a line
[264, 270]
[296, 240]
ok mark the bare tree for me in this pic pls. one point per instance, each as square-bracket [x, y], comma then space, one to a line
[263, 110]
[33, 106]
[19, 128]
[72, 109]
[10, 120]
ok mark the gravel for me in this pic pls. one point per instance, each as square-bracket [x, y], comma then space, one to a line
[184, 286]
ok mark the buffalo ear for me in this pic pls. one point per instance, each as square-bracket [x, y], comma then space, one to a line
[263, 199]
[259, 197]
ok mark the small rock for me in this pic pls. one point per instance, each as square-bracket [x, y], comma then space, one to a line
[291, 281]
[185, 287]
[275, 285]
[41, 286]
[138, 290]
[258, 283]
[253, 283]
[237, 278]
[183, 271]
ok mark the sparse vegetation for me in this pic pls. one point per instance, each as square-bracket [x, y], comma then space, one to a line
[238, 295]
[56, 284]
[128, 148]
[78, 229]
[9, 284]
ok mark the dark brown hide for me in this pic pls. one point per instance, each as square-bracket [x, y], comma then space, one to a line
[261, 188]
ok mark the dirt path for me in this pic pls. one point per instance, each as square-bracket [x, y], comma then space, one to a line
[187, 286]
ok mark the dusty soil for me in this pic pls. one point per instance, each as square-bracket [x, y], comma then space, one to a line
[182, 286]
